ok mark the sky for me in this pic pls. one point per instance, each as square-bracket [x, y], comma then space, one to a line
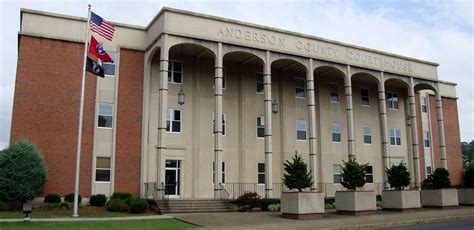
[432, 30]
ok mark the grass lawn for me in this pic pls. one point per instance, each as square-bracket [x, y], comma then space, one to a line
[135, 224]
[86, 211]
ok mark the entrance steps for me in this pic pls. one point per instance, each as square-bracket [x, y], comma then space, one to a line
[189, 206]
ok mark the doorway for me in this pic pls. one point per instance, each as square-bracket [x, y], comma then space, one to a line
[172, 178]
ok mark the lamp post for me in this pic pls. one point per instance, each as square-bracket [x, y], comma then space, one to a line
[181, 98]
[274, 107]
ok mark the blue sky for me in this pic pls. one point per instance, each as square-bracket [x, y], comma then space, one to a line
[438, 31]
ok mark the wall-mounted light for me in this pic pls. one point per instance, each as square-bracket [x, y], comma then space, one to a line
[181, 98]
[274, 107]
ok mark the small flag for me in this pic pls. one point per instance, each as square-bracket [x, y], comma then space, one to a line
[97, 50]
[94, 67]
[102, 27]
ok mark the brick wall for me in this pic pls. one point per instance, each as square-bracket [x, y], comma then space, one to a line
[129, 122]
[453, 140]
[46, 109]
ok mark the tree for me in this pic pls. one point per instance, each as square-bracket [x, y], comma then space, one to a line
[469, 176]
[296, 174]
[439, 179]
[22, 172]
[398, 176]
[353, 174]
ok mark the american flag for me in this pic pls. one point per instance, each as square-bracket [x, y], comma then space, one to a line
[102, 27]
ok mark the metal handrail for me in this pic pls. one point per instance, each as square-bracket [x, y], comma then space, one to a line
[223, 193]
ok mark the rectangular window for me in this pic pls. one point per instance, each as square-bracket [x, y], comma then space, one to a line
[424, 104]
[223, 172]
[300, 91]
[428, 171]
[392, 100]
[109, 67]
[395, 138]
[223, 80]
[334, 92]
[260, 83]
[427, 139]
[102, 169]
[261, 127]
[369, 175]
[224, 123]
[337, 173]
[261, 173]
[173, 121]
[106, 114]
[367, 135]
[364, 96]
[301, 130]
[175, 72]
[336, 132]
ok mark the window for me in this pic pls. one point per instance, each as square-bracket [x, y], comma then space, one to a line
[224, 122]
[334, 92]
[175, 72]
[429, 171]
[260, 83]
[261, 127]
[261, 173]
[102, 169]
[173, 121]
[223, 172]
[424, 104]
[300, 130]
[300, 93]
[367, 135]
[392, 100]
[426, 139]
[395, 139]
[106, 114]
[109, 67]
[369, 175]
[223, 80]
[337, 173]
[336, 132]
[364, 96]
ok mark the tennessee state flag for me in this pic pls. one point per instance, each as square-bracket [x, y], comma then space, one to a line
[97, 50]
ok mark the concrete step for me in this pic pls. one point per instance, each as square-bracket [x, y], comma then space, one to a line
[189, 206]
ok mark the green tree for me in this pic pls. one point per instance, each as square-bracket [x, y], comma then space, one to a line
[469, 176]
[353, 174]
[296, 174]
[398, 176]
[22, 172]
[439, 179]
[467, 150]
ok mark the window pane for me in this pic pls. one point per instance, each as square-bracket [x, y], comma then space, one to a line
[261, 167]
[367, 139]
[102, 162]
[300, 92]
[336, 127]
[336, 137]
[392, 140]
[366, 130]
[260, 132]
[105, 121]
[300, 83]
[177, 66]
[399, 141]
[109, 69]
[260, 121]
[336, 169]
[259, 83]
[169, 74]
[176, 126]
[168, 126]
[364, 92]
[261, 178]
[300, 125]
[177, 115]
[106, 109]
[369, 170]
[301, 135]
[177, 77]
[337, 178]
[102, 175]
[369, 179]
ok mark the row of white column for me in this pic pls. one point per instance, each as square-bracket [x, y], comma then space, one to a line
[313, 144]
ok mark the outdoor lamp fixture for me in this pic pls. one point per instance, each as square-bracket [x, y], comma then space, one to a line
[274, 107]
[181, 98]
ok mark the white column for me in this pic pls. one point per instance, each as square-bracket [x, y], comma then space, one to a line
[383, 129]
[313, 145]
[442, 142]
[267, 81]
[350, 114]
[218, 122]
[162, 110]
[414, 134]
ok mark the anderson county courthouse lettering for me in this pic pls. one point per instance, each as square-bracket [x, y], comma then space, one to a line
[200, 106]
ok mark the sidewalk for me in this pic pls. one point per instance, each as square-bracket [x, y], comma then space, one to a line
[154, 217]
[331, 220]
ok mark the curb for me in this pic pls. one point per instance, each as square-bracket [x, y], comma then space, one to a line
[71, 219]
[401, 223]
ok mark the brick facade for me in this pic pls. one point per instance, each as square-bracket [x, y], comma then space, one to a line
[453, 140]
[46, 109]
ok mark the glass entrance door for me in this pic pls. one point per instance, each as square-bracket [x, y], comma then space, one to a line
[172, 174]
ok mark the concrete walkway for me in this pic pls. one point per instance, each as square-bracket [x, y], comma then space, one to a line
[125, 218]
[331, 220]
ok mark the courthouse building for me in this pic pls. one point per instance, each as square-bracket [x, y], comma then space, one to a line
[194, 99]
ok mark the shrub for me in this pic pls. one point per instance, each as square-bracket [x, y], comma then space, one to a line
[353, 174]
[65, 205]
[98, 200]
[117, 205]
[248, 201]
[3, 206]
[329, 206]
[469, 176]
[398, 176]
[264, 203]
[51, 205]
[137, 205]
[439, 179]
[70, 198]
[296, 174]
[52, 199]
[121, 195]
[274, 207]
[22, 172]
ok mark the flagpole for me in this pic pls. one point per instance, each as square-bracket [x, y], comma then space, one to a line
[81, 109]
